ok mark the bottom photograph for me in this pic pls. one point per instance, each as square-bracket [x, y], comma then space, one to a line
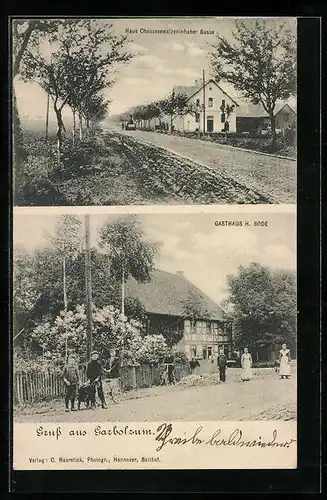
[167, 334]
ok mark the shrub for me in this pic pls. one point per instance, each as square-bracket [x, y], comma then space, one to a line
[111, 330]
[38, 191]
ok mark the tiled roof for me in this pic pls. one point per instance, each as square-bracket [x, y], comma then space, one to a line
[188, 91]
[165, 294]
[247, 109]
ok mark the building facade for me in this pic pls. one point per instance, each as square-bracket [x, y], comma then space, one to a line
[253, 118]
[163, 299]
[209, 104]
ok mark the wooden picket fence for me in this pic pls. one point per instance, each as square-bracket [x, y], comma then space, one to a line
[30, 387]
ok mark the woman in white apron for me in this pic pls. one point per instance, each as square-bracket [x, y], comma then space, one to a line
[284, 362]
[246, 362]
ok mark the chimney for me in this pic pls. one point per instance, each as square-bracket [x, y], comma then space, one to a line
[180, 273]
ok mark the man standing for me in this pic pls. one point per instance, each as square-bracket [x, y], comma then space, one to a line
[222, 365]
[71, 380]
[94, 374]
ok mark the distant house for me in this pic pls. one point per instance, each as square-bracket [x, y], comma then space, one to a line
[253, 117]
[163, 298]
[209, 101]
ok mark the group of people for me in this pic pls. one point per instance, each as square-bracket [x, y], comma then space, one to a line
[94, 373]
[247, 364]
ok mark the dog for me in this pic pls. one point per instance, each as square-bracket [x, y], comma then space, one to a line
[86, 395]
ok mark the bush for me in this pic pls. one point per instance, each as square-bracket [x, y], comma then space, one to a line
[79, 159]
[38, 191]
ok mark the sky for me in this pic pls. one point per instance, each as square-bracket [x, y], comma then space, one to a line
[195, 244]
[160, 62]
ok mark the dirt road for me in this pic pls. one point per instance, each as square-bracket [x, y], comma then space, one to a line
[267, 174]
[266, 397]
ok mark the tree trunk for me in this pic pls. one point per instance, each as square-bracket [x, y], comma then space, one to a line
[64, 280]
[61, 129]
[47, 119]
[74, 126]
[273, 132]
[171, 124]
[80, 119]
[19, 153]
[123, 291]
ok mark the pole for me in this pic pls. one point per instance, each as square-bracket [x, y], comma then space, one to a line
[88, 285]
[204, 102]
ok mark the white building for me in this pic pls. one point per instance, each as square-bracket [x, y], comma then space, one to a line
[210, 102]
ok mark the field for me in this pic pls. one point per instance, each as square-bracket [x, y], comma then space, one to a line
[115, 168]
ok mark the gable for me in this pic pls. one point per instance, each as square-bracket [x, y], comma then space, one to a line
[192, 90]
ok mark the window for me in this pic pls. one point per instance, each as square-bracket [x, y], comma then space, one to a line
[187, 326]
[204, 352]
[198, 327]
[214, 328]
[223, 102]
[222, 118]
[197, 102]
[193, 351]
[210, 102]
[209, 352]
[197, 117]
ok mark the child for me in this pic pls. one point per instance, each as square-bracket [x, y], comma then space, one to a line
[71, 380]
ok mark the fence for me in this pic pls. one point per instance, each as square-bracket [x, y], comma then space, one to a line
[44, 386]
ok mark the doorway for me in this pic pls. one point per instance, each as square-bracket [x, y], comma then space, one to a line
[210, 124]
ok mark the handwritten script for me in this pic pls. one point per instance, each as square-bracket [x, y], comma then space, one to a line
[165, 436]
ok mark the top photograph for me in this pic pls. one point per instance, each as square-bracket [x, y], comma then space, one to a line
[153, 111]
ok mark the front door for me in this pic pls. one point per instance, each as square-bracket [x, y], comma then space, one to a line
[210, 124]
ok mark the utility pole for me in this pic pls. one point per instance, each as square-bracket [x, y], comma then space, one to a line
[204, 102]
[88, 285]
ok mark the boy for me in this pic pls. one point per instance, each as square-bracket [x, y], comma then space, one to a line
[71, 380]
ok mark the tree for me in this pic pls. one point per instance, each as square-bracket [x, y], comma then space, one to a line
[226, 110]
[94, 109]
[175, 105]
[129, 253]
[261, 64]
[264, 306]
[26, 293]
[24, 34]
[85, 53]
[110, 331]
[66, 241]
[194, 307]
